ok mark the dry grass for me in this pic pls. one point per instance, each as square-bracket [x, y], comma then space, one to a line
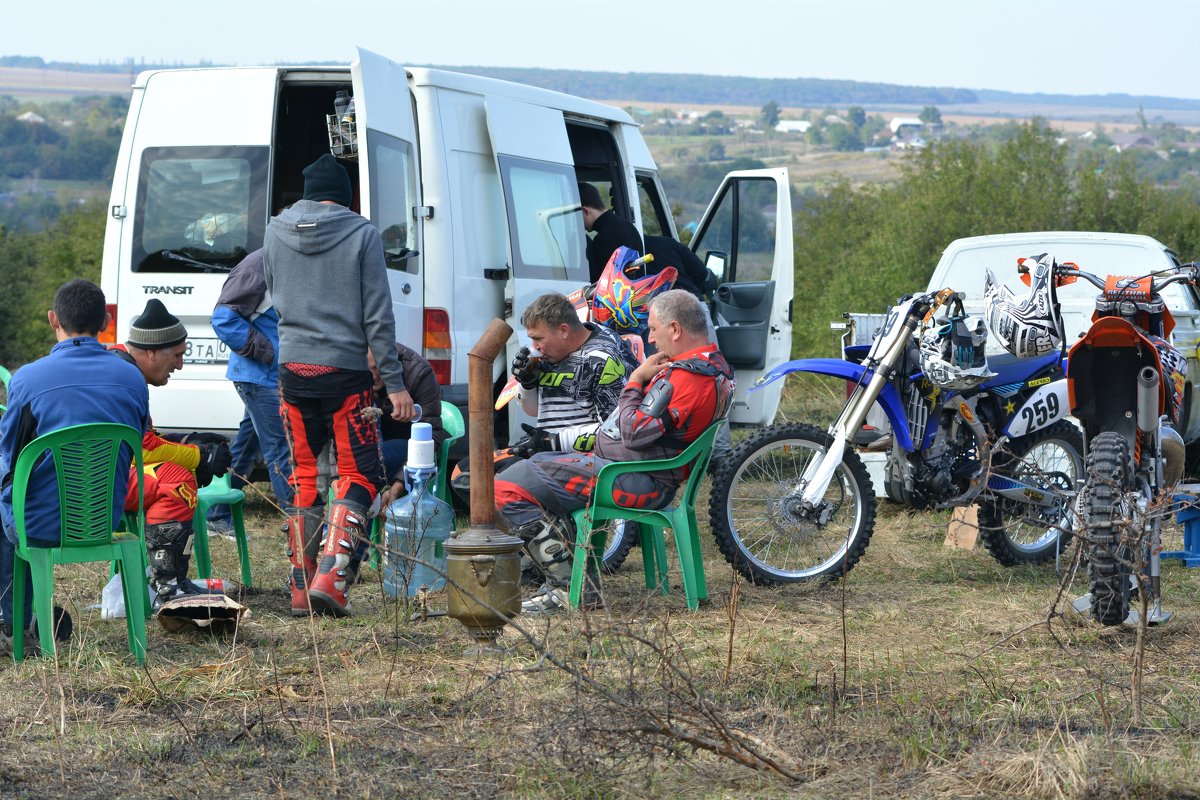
[947, 684]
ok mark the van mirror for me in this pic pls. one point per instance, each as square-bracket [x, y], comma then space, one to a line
[714, 261]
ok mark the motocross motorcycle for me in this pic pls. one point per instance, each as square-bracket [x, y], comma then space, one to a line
[794, 503]
[1125, 387]
[619, 300]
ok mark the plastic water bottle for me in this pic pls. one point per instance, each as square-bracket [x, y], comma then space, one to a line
[417, 523]
[341, 103]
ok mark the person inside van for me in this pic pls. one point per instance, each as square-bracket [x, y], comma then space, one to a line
[175, 466]
[324, 267]
[610, 230]
[669, 400]
[668, 252]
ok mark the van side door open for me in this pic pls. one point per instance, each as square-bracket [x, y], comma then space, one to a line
[745, 239]
[389, 182]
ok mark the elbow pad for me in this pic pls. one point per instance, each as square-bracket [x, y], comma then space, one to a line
[657, 400]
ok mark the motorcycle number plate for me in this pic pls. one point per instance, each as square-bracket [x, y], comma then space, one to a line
[1047, 405]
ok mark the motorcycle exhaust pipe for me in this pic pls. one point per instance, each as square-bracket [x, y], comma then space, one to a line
[1147, 400]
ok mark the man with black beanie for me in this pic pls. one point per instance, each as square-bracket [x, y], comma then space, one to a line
[325, 270]
[174, 466]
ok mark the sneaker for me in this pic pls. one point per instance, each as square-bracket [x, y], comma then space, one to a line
[546, 600]
[221, 527]
[32, 647]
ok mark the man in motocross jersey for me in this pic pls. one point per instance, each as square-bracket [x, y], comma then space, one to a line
[174, 466]
[667, 403]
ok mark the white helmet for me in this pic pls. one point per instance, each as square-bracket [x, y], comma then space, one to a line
[952, 354]
[1027, 326]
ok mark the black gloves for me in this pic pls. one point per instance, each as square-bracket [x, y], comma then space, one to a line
[526, 371]
[537, 440]
[215, 459]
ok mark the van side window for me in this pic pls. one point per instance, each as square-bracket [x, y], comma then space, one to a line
[544, 220]
[654, 215]
[199, 209]
[393, 187]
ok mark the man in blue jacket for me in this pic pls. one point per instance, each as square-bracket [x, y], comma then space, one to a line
[78, 382]
[246, 321]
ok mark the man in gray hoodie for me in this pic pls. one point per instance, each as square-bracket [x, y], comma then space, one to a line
[325, 270]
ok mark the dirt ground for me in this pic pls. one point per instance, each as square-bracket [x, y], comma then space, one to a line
[929, 672]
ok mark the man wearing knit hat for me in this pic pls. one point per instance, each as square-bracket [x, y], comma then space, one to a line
[325, 271]
[175, 466]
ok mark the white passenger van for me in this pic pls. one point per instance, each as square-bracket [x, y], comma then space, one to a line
[472, 183]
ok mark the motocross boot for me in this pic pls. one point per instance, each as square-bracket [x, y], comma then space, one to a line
[169, 547]
[303, 528]
[348, 523]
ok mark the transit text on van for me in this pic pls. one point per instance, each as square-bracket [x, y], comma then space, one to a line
[168, 289]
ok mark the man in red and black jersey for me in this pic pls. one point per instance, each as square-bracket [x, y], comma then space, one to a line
[667, 403]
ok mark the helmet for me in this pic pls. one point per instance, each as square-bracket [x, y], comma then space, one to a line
[1026, 326]
[952, 353]
[621, 301]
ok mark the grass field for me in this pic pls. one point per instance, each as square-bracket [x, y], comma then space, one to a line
[929, 672]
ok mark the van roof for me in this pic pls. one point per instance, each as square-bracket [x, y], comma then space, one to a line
[441, 78]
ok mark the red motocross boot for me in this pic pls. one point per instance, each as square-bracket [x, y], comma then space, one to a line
[328, 590]
[303, 529]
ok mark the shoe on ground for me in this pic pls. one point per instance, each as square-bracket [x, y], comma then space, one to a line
[551, 599]
[32, 646]
[221, 527]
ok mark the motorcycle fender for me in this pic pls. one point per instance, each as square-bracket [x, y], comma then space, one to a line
[1047, 405]
[888, 399]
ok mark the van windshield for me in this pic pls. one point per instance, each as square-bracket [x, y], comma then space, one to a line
[199, 209]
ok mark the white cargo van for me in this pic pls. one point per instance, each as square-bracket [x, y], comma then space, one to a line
[472, 183]
[964, 263]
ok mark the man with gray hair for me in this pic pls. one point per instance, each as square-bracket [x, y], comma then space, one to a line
[667, 403]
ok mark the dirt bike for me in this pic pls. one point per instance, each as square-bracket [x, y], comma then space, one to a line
[1126, 388]
[794, 503]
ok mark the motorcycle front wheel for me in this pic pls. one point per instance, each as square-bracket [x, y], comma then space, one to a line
[1015, 532]
[1108, 526]
[759, 523]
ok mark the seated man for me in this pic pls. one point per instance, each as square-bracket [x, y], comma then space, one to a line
[76, 383]
[423, 386]
[174, 467]
[668, 402]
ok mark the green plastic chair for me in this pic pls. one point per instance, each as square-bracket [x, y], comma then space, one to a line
[5, 377]
[87, 461]
[452, 423]
[680, 518]
[217, 492]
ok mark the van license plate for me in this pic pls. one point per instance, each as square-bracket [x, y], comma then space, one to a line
[206, 351]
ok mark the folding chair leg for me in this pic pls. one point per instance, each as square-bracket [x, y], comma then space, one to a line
[135, 618]
[579, 561]
[683, 546]
[697, 557]
[19, 589]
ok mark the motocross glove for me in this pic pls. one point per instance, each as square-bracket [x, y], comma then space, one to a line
[215, 459]
[536, 440]
[527, 371]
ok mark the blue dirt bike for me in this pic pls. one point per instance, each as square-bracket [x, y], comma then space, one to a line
[794, 503]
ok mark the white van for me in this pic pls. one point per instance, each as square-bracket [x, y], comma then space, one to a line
[472, 183]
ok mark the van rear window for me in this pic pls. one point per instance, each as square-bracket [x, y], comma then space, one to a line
[199, 209]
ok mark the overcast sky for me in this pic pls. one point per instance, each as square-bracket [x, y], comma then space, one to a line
[1055, 46]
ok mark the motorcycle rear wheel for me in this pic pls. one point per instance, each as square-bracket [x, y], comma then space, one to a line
[1019, 533]
[757, 521]
[1108, 527]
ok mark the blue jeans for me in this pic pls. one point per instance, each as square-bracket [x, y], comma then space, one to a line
[395, 453]
[8, 552]
[261, 431]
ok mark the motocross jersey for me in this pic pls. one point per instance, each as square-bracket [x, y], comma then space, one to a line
[574, 395]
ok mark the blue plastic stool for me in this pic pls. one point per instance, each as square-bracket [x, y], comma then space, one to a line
[1187, 515]
[218, 491]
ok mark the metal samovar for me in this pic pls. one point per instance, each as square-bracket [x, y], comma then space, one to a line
[483, 564]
